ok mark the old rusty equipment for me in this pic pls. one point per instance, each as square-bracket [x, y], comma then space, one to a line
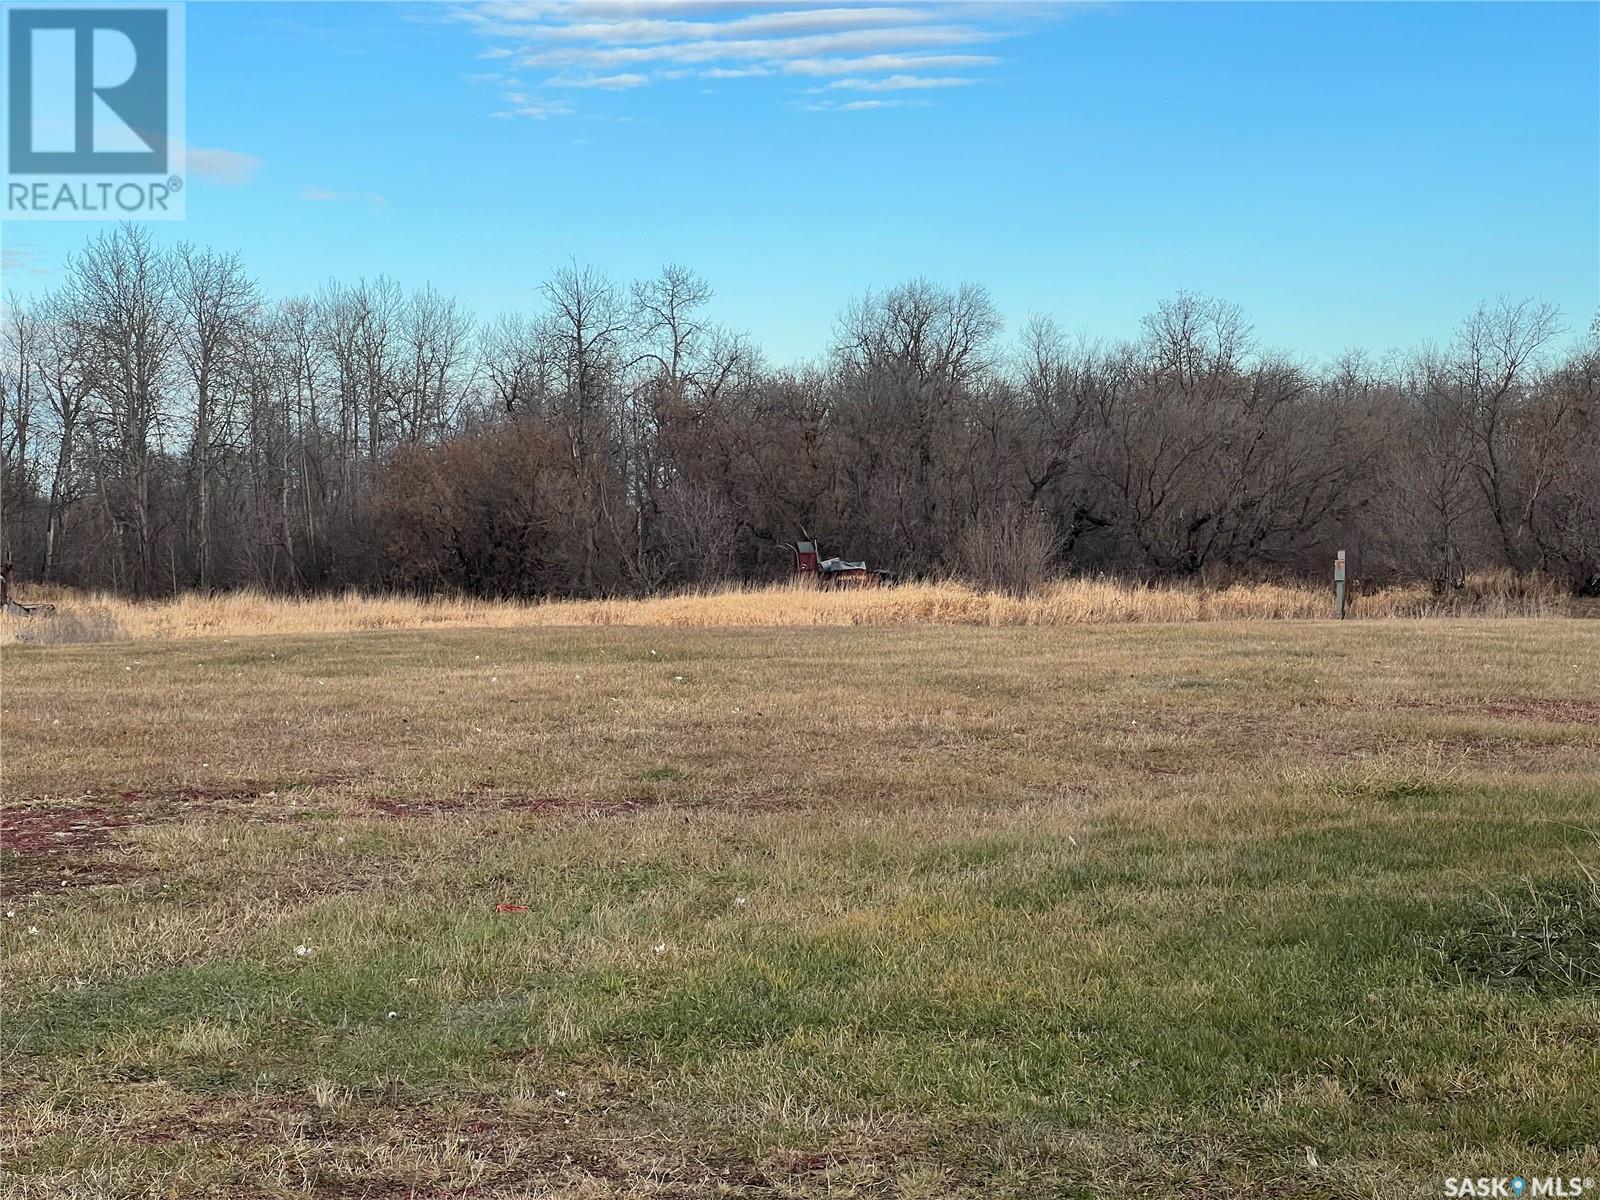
[810, 568]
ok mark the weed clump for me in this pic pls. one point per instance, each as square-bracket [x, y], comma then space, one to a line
[64, 626]
[1544, 939]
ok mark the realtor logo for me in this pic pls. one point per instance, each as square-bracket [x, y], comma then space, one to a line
[94, 112]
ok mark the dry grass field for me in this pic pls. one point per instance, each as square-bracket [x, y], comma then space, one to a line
[1080, 601]
[989, 908]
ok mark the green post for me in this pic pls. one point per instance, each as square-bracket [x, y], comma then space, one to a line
[1338, 585]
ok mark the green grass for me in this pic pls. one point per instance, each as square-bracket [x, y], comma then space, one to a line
[1244, 909]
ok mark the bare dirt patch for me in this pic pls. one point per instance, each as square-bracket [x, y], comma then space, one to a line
[60, 846]
[54, 844]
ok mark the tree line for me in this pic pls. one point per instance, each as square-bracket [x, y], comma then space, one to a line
[166, 427]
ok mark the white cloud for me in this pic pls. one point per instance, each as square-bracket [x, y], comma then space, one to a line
[775, 51]
[231, 168]
[900, 83]
[609, 82]
[536, 110]
[888, 62]
[853, 105]
[638, 30]
[871, 46]
[730, 72]
[16, 259]
[322, 195]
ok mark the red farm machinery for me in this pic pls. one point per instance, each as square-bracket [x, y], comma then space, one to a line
[811, 569]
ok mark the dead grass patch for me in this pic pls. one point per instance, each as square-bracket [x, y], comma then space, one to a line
[1553, 710]
[1079, 601]
[383, 1146]
[68, 624]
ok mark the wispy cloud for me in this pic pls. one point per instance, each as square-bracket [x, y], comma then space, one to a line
[765, 51]
[609, 82]
[538, 110]
[231, 168]
[900, 83]
[322, 195]
[871, 46]
[853, 105]
[15, 259]
[889, 62]
[731, 72]
[621, 24]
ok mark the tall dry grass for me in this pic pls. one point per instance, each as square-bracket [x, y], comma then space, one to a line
[82, 617]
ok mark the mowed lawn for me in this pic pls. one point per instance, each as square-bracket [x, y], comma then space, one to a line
[1245, 909]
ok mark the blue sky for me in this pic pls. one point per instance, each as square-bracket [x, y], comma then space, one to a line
[1350, 174]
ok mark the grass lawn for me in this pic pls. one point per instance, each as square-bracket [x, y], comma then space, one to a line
[1267, 909]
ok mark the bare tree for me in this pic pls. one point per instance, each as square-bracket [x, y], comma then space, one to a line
[64, 370]
[121, 288]
[585, 326]
[1485, 381]
[435, 334]
[216, 304]
[515, 360]
[19, 351]
[910, 356]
